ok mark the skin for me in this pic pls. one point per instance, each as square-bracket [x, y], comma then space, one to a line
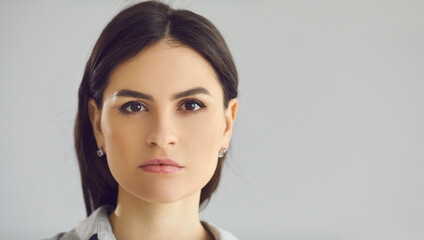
[152, 205]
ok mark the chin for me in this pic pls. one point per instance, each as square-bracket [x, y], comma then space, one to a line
[160, 192]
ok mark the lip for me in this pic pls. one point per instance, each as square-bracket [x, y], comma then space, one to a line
[164, 165]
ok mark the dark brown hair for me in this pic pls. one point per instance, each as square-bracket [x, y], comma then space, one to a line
[127, 34]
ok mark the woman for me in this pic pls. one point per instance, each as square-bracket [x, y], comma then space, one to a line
[157, 104]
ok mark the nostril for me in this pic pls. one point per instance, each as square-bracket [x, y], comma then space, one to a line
[161, 142]
[151, 142]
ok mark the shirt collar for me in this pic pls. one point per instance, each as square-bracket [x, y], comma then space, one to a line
[97, 224]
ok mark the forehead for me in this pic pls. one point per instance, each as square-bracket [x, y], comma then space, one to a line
[162, 70]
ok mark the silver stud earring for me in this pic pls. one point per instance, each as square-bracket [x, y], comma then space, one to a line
[222, 152]
[100, 152]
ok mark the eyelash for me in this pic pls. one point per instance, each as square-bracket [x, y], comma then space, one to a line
[194, 100]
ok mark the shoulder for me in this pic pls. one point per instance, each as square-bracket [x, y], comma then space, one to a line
[71, 235]
[218, 233]
[96, 226]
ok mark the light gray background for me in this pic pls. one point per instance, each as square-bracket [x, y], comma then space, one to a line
[329, 140]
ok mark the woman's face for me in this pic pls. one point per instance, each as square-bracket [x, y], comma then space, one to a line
[166, 102]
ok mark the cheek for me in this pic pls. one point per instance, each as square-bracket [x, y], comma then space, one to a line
[202, 138]
[204, 132]
[122, 140]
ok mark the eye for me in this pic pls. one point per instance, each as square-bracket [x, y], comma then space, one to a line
[132, 107]
[192, 105]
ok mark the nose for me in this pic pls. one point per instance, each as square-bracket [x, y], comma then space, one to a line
[162, 132]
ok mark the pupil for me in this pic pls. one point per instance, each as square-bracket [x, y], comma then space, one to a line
[135, 108]
[190, 106]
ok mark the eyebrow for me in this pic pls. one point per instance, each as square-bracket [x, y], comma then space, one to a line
[135, 94]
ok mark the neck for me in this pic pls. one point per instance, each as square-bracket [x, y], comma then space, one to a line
[135, 218]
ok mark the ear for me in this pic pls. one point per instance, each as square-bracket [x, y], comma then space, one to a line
[230, 117]
[95, 114]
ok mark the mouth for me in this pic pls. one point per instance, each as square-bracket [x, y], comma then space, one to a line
[162, 166]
